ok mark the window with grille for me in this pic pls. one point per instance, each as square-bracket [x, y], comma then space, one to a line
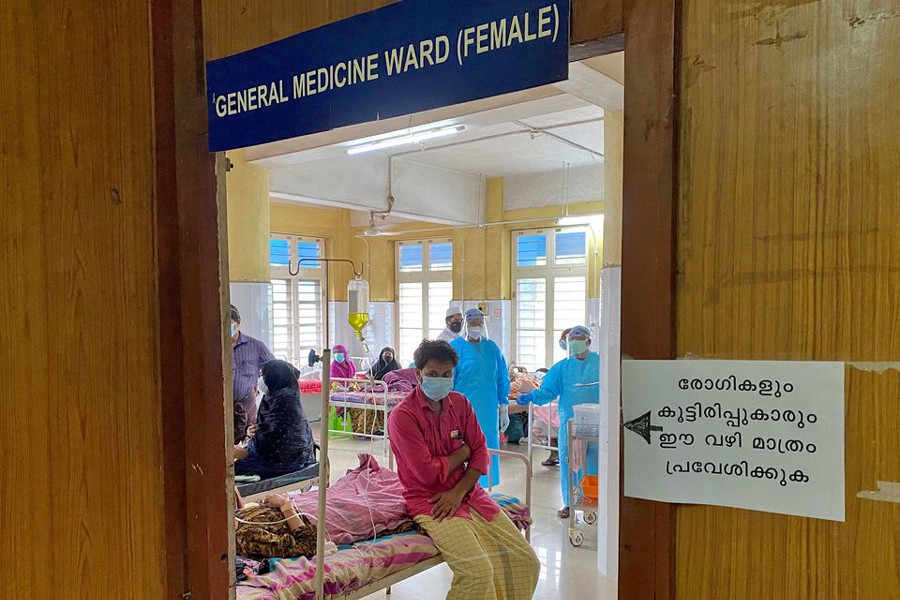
[297, 300]
[424, 292]
[550, 271]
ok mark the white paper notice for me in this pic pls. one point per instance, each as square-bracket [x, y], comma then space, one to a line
[765, 436]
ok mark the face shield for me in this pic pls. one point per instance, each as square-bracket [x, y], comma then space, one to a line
[475, 327]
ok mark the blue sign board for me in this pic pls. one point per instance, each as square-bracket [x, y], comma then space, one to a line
[404, 58]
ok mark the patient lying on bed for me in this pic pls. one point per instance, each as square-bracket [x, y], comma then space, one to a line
[441, 453]
[273, 529]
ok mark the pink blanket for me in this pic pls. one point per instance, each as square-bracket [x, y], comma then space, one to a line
[547, 414]
[403, 380]
[361, 504]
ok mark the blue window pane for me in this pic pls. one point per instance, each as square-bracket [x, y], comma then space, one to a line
[410, 258]
[531, 250]
[309, 250]
[279, 253]
[571, 247]
[442, 257]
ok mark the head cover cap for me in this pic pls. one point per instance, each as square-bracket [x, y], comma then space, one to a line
[453, 311]
[474, 314]
[580, 330]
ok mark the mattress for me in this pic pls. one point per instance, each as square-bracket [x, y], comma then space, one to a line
[346, 570]
[356, 566]
[370, 398]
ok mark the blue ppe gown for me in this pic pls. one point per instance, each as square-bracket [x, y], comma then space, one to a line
[483, 378]
[560, 382]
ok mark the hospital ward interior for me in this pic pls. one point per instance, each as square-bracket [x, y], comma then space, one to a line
[483, 225]
[464, 300]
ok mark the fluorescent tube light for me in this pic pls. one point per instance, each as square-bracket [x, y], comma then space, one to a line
[410, 138]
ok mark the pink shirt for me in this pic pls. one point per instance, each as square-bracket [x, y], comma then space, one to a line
[422, 441]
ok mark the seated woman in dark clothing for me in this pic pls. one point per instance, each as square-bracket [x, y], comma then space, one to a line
[282, 441]
[386, 363]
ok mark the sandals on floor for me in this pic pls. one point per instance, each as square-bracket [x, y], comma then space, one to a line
[553, 461]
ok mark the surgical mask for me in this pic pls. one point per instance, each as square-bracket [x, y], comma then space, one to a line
[388, 358]
[437, 388]
[578, 346]
[233, 328]
[455, 326]
[261, 384]
[339, 358]
[474, 333]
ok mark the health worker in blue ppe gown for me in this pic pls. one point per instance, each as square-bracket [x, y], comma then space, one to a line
[483, 378]
[562, 381]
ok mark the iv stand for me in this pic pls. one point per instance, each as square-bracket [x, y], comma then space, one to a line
[324, 474]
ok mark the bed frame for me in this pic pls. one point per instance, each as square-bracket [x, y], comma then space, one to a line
[371, 386]
[387, 582]
[531, 444]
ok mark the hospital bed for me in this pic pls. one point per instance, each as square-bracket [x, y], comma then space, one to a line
[370, 396]
[549, 431]
[254, 491]
[359, 570]
[322, 578]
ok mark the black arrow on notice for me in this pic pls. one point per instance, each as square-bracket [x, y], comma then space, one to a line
[642, 426]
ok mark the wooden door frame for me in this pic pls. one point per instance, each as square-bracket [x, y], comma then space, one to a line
[652, 54]
[192, 280]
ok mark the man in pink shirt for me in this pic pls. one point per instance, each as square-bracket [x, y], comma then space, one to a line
[441, 453]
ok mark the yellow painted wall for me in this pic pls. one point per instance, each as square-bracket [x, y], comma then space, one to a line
[331, 224]
[482, 255]
[378, 256]
[247, 198]
[613, 163]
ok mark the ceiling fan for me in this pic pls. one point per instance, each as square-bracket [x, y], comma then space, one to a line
[377, 219]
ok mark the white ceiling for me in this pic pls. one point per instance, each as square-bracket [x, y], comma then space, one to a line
[531, 138]
[514, 148]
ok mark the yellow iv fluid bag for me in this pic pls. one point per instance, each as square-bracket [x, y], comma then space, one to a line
[358, 305]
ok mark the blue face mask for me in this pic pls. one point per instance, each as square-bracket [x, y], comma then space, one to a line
[578, 346]
[339, 358]
[437, 388]
[233, 328]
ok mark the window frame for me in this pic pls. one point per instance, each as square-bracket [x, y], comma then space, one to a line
[549, 272]
[305, 274]
[425, 277]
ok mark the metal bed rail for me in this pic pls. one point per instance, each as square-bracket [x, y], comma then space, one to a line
[369, 386]
[531, 444]
[528, 475]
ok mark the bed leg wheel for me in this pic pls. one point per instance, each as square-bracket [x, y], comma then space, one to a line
[576, 538]
[387, 592]
[590, 517]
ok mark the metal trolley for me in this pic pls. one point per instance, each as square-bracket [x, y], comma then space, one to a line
[587, 506]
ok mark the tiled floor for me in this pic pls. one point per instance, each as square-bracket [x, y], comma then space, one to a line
[566, 572]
